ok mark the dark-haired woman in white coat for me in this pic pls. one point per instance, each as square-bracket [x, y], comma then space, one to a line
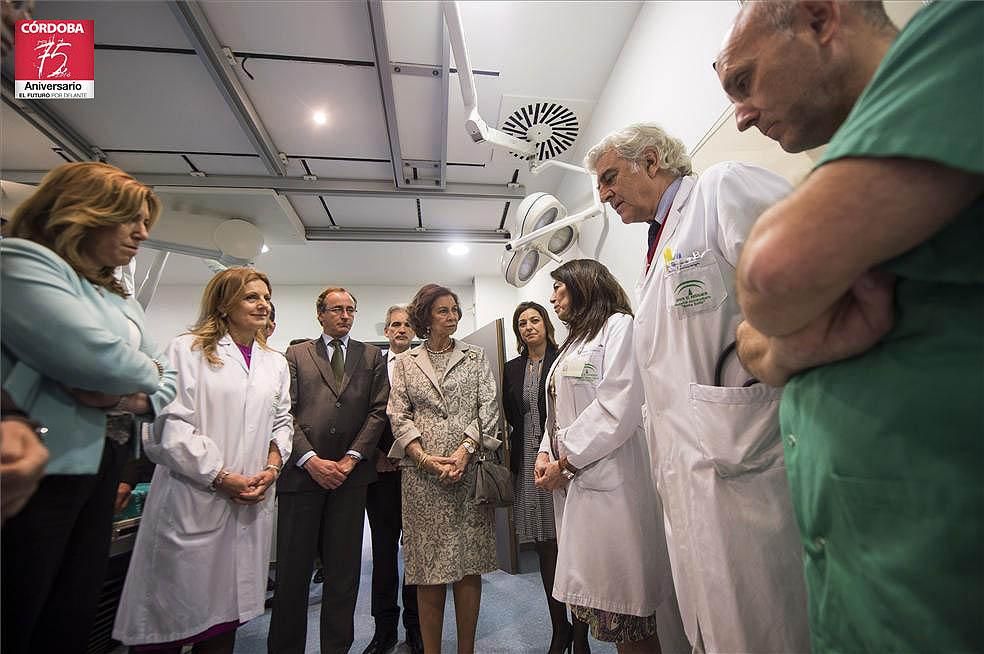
[612, 565]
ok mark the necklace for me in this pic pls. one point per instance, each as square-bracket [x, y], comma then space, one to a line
[448, 348]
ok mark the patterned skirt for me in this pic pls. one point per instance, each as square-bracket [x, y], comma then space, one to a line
[615, 627]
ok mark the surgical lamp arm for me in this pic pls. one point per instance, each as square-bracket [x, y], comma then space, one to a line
[476, 127]
[580, 216]
[596, 208]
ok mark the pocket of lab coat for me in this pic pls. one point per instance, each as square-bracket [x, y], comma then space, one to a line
[602, 475]
[737, 428]
[695, 289]
[196, 512]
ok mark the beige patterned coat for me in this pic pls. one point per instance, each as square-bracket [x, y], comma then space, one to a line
[440, 399]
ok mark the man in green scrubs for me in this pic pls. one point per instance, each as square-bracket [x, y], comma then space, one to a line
[863, 293]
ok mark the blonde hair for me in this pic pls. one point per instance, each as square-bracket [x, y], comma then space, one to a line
[75, 200]
[221, 295]
[631, 142]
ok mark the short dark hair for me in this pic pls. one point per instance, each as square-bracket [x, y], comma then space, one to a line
[595, 295]
[523, 306]
[320, 304]
[419, 311]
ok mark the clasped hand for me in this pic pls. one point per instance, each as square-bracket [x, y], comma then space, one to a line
[448, 469]
[327, 473]
[248, 490]
[546, 473]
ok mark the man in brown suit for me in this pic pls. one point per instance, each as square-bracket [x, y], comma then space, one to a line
[339, 389]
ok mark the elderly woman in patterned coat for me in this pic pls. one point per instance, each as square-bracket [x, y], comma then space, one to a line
[442, 408]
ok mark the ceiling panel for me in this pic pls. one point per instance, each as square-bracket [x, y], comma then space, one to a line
[122, 22]
[335, 30]
[287, 93]
[155, 101]
[500, 171]
[547, 49]
[262, 207]
[418, 114]
[439, 213]
[136, 163]
[349, 169]
[21, 146]
[373, 212]
[414, 31]
[310, 210]
[169, 102]
[218, 165]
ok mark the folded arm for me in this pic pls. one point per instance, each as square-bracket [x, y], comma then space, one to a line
[805, 253]
[808, 282]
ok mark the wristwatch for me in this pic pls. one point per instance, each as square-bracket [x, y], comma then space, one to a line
[568, 474]
[469, 445]
[567, 469]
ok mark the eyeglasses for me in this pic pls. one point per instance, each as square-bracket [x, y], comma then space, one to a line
[340, 310]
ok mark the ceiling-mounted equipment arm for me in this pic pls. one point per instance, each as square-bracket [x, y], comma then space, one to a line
[595, 209]
[477, 128]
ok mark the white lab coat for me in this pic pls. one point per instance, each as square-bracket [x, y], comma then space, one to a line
[199, 559]
[717, 451]
[612, 551]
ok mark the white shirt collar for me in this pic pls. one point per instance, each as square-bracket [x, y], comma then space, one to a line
[328, 339]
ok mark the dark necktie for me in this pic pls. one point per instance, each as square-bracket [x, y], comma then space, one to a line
[655, 229]
[337, 360]
[653, 232]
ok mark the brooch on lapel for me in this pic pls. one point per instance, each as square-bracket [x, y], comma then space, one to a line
[471, 355]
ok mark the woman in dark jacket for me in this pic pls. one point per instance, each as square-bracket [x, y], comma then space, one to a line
[524, 401]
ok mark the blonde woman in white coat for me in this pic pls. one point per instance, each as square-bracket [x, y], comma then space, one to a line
[612, 565]
[200, 561]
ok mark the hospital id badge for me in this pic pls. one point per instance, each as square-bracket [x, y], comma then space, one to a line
[574, 366]
[579, 367]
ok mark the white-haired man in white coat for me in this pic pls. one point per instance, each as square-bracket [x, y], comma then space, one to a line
[714, 431]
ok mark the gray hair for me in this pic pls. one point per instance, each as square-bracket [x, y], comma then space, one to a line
[395, 307]
[778, 14]
[631, 142]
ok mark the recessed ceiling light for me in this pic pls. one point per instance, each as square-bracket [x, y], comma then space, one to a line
[458, 250]
[320, 117]
[265, 248]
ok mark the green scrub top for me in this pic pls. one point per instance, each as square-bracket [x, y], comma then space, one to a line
[884, 451]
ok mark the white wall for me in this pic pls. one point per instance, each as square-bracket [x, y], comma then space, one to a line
[496, 299]
[663, 74]
[175, 307]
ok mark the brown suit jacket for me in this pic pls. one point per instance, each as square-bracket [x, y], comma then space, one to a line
[332, 418]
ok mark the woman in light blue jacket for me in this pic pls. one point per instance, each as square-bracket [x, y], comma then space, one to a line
[77, 359]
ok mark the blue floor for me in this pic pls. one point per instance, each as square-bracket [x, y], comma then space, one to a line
[513, 617]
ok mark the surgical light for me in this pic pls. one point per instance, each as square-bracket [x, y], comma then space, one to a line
[545, 231]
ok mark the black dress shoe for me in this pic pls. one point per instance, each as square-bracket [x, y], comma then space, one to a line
[381, 643]
[415, 642]
[319, 576]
